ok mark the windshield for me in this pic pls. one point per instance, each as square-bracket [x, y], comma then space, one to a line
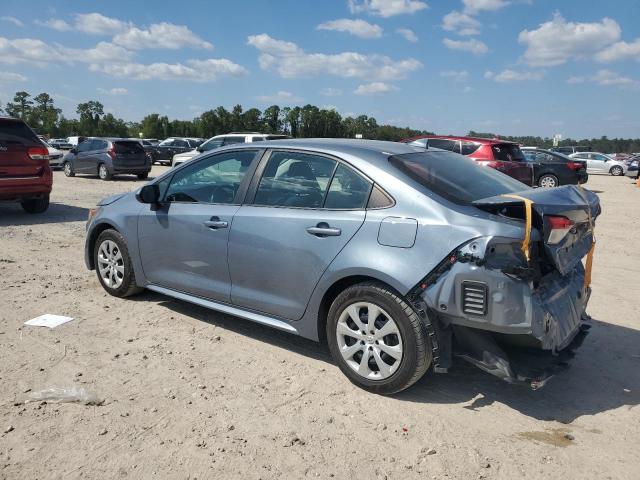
[455, 177]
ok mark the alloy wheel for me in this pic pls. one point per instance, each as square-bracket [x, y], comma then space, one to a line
[102, 171]
[548, 182]
[369, 340]
[67, 169]
[110, 264]
[617, 171]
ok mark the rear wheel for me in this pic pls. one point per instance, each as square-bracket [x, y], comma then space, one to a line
[113, 264]
[68, 169]
[616, 171]
[143, 176]
[103, 172]
[35, 205]
[548, 181]
[377, 339]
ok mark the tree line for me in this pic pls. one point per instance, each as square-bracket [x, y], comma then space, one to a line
[307, 121]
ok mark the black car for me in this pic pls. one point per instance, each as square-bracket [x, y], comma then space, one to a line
[553, 169]
[164, 152]
[107, 157]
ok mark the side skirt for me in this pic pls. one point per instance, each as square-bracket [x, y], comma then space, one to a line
[221, 307]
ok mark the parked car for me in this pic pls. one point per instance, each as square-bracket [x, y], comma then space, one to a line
[152, 141]
[60, 144]
[165, 150]
[632, 168]
[55, 156]
[601, 163]
[74, 141]
[505, 157]
[552, 169]
[222, 140]
[568, 150]
[25, 175]
[107, 157]
[343, 240]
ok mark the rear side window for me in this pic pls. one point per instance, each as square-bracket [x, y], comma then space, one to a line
[12, 132]
[129, 147]
[232, 140]
[469, 147]
[451, 145]
[447, 175]
[507, 152]
[97, 145]
[293, 179]
[348, 190]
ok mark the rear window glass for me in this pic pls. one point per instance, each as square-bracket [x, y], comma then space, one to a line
[129, 147]
[447, 175]
[469, 147]
[507, 152]
[451, 145]
[18, 133]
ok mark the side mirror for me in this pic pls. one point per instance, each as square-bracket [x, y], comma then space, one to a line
[199, 149]
[74, 150]
[149, 194]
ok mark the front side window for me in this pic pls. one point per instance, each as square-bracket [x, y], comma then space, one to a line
[348, 190]
[293, 179]
[85, 146]
[600, 158]
[447, 175]
[213, 180]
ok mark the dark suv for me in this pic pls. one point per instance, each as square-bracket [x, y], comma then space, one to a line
[107, 157]
[25, 175]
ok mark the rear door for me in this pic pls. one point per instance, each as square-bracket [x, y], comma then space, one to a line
[15, 140]
[301, 210]
[512, 162]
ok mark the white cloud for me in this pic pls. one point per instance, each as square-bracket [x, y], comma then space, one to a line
[474, 46]
[609, 78]
[557, 41]
[12, 77]
[575, 80]
[14, 20]
[456, 75]
[160, 35]
[358, 28]
[374, 88]
[98, 24]
[460, 23]
[475, 6]
[280, 97]
[290, 61]
[620, 51]
[331, 92]
[113, 91]
[507, 76]
[386, 8]
[408, 34]
[55, 23]
[34, 51]
[194, 70]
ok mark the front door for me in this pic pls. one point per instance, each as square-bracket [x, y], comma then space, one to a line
[305, 209]
[183, 243]
[83, 151]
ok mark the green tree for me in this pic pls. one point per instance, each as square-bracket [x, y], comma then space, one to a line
[252, 120]
[90, 115]
[44, 115]
[21, 106]
[155, 126]
[272, 119]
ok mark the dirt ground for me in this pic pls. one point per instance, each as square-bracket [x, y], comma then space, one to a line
[189, 393]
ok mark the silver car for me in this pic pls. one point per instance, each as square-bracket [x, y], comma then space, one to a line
[601, 163]
[398, 259]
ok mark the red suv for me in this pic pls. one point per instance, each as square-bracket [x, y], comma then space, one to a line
[25, 175]
[503, 156]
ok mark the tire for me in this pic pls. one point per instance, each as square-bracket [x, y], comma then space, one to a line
[104, 173]
[68, 169]
[548, 181]
[385, 374]
[110, 250]
[616, 171]
[143, 176]
[36, 205]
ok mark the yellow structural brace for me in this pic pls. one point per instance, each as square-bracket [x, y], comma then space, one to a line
[526, 249]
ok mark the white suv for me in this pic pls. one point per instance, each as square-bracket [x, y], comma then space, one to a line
[221, 141]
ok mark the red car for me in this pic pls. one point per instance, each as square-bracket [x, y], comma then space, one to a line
[25, 175]
[503, 156]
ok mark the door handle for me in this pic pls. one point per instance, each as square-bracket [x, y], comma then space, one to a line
[215, 223]
[324, 230]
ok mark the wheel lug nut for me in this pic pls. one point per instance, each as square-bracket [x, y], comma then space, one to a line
[361, 342]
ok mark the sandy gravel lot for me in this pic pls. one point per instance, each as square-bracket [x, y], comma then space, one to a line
[189, 393]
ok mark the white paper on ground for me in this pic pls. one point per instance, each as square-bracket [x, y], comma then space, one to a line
[48, 320]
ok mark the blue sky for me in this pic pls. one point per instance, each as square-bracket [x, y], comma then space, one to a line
[536, 67]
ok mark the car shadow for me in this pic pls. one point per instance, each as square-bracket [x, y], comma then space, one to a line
[13, 214]
[603, 376]
[116, 178]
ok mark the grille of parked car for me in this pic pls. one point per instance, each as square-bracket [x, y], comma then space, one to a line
[474, 298]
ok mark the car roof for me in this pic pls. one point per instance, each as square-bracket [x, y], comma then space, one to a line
[484, 141]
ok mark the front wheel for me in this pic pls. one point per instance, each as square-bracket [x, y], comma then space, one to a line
[68, 169]
[36, 205]
[548, 181]
[103, 172]
[143, 176]
[377, 339]
[113, 264]
[616, 171]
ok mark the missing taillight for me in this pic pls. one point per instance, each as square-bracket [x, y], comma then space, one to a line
[558, 228]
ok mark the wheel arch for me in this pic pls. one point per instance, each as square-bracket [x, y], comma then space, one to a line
[93, 237]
